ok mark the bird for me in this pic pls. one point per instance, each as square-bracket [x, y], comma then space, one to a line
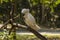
[29, 19]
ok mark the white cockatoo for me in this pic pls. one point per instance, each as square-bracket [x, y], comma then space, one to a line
[29, 19]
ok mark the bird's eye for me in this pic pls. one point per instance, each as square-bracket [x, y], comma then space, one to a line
[23, 14]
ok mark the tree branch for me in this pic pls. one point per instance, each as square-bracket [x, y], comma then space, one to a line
[9, 21]
[31, 30]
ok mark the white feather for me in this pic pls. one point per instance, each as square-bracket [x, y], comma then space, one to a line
[30, 20]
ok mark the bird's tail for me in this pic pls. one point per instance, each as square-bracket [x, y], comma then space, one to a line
[36, 27]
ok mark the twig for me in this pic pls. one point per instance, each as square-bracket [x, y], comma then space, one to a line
[9, 21]
[20, 25]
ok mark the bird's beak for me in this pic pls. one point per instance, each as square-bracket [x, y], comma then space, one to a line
[23, 14]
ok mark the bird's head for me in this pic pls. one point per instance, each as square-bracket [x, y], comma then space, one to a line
[25, 11]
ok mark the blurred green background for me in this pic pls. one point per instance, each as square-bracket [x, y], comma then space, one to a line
[46, 12]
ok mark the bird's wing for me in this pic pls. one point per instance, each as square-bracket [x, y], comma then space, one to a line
[30, 21]
[31, 18]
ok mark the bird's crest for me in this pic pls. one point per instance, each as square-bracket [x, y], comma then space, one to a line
[25, 10]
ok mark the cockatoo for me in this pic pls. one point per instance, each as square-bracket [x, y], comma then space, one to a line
[29, 19]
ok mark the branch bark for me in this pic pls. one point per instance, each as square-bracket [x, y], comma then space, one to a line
[31, 30]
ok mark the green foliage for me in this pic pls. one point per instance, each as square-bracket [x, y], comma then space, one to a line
[35, 7]
[57, 2]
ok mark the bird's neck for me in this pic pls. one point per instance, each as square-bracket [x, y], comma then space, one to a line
[26, 13]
